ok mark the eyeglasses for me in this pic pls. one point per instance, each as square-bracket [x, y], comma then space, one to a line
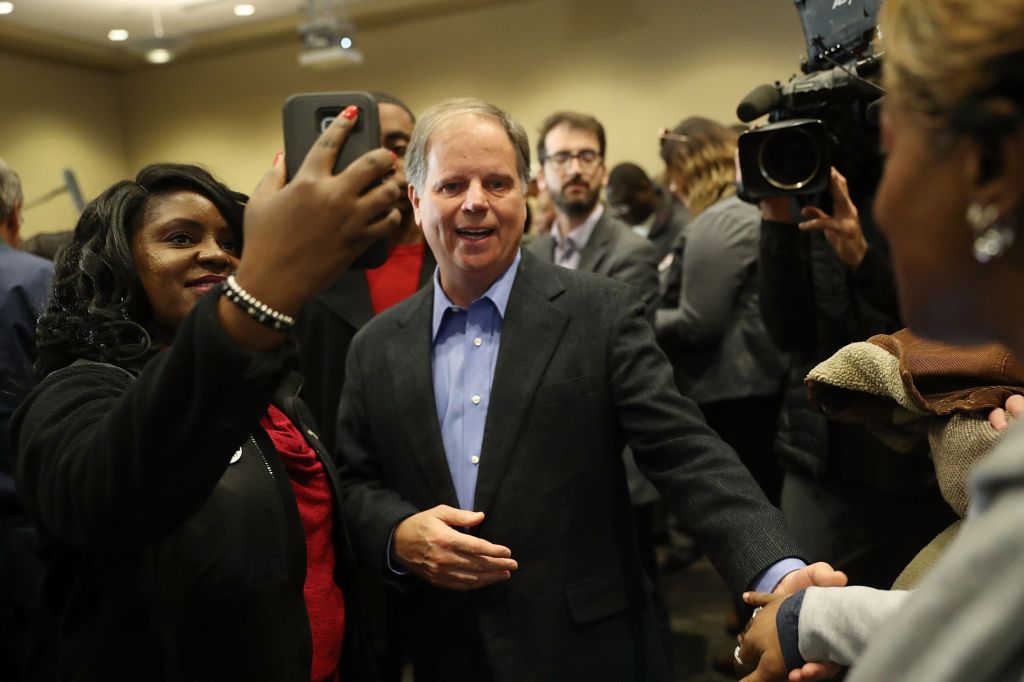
[588, 158]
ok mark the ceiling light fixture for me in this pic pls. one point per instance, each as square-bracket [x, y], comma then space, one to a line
[328, 35]
[160, 48]
[244, 10]
[6, 7]
[159, 55]
[117, 35]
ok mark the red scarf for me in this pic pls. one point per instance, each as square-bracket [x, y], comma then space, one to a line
[325, 605]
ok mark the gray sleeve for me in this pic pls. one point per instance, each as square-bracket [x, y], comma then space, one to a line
[836, 622]
[721, 249]
[962, 622]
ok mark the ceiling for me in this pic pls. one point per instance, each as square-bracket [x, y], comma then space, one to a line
[76, 31]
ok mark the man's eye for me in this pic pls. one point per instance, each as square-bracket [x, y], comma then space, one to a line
[180, 238]
[230, 247]
[398, 150]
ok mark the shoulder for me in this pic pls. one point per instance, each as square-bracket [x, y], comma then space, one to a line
[26, 269]
[626, 242]
[540, 245]
[729, 220]
[573, 291]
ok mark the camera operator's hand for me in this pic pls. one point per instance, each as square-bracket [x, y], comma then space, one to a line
[842, 230]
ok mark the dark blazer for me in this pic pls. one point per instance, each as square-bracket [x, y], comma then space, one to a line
[324, 330]
[578, 375]
[615, 251]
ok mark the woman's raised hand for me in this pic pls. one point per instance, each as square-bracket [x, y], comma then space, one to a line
[300, 236]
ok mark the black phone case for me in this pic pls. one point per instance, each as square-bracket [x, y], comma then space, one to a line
[306, 115]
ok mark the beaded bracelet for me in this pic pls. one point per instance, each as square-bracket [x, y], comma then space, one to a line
[259, 311]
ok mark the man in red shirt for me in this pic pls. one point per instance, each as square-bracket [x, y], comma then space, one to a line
[326, 325]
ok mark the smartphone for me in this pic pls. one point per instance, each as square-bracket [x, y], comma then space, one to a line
[309, 114]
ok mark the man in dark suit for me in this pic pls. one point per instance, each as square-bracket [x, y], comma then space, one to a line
[480, 435]
[327, 323]
[585, 235]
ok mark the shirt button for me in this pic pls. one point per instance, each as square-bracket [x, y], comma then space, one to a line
[474, 459]
[475, 399]
[477, 341]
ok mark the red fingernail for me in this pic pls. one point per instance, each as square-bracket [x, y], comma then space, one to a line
[394, 156]
[277, 157]
[350, 112]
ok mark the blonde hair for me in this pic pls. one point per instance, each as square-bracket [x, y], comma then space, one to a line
[699, 157]
[940, 55]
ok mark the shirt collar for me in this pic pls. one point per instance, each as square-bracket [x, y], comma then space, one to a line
[580, 235]
[498, 294]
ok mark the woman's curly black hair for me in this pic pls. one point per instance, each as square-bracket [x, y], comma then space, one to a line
[99, 310]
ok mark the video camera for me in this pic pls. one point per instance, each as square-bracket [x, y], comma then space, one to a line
[821, 118]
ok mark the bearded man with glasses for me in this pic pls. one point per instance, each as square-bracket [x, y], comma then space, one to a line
[585, 235]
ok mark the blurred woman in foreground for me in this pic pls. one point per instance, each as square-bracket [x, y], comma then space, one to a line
[196, 518]
[951, 203]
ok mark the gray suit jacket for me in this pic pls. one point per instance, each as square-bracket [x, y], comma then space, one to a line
[614, 251]
[578, 375]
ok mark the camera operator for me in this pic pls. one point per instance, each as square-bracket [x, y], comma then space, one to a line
[826, 281]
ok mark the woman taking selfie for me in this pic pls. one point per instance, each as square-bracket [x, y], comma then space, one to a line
[951, 203]
[195, 518]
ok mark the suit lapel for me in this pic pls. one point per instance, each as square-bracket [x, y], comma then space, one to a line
[598, 246]
[530, 333]
[409, 358]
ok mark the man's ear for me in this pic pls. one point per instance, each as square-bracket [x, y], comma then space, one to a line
[414, 199]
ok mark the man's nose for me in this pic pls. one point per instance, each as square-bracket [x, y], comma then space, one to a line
[476, 198]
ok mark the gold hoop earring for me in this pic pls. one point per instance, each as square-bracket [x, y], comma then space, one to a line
[992, 237]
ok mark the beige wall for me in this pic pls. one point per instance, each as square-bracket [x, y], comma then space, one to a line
[52, 117]
[637, 66]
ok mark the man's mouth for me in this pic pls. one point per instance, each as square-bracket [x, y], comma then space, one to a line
[474, 233]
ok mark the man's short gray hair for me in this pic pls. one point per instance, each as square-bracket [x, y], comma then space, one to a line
[10, 190]
[442, 114]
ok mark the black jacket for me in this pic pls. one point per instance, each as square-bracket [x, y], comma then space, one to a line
[171, 562]
[812, 306]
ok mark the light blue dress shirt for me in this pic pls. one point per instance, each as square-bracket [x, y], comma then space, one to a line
[465, 343]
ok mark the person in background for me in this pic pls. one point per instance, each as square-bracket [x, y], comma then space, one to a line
[723, 357]
[26, 630]
[326, 324]
[826, 281]
[586, 236]
[196, 519]
[649, 209]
